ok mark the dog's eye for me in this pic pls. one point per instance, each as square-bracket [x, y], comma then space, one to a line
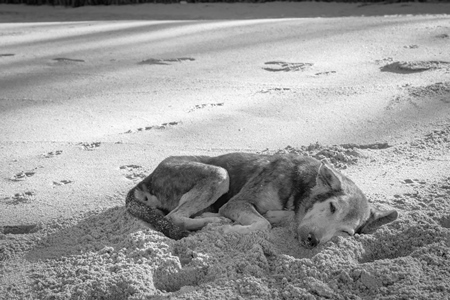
[332, 208]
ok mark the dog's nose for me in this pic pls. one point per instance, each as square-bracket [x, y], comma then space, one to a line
[311, 240]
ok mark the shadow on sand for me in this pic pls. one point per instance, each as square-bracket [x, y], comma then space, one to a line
[106, 229]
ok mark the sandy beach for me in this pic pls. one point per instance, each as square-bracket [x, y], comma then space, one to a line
[92, 98]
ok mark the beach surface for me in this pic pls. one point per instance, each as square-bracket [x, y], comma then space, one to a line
[92, 98]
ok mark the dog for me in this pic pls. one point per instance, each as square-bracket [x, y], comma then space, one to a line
[184, 193]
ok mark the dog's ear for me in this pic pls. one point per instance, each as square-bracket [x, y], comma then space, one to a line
[328, 178]
[377, 219]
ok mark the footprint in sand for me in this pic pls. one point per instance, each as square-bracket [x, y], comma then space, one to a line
[325, 73]
[273, 90]
[65, 59]
[18, 229]
[168, 61]
[19, 198]
[51, 154]
[62, 182]
[442, 36]
[413, 181]
[411, 47]
[281, 66]
[22, 175]
[161, 126]
[90, 146]
[201, 106]
[407, 67]
[133, 172]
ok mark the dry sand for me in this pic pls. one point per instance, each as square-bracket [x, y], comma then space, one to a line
[92, 98]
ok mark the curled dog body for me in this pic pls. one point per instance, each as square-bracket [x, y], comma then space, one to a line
[184, 193]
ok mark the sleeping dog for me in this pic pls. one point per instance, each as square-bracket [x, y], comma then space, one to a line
[184, 193]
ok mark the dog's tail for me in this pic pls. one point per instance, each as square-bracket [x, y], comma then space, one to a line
[153, 217]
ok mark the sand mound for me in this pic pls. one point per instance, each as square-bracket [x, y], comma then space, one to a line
[340, 156]
[405, 67]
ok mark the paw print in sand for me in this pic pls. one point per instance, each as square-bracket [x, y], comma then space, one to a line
[281, 66]
[90, 146]
[22, 175]
[168, 61]
[19, 198]
[133, 172]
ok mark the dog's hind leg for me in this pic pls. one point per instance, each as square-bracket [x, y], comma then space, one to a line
[213, 184]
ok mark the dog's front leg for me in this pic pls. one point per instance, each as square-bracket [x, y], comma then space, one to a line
[246, 215]
[279, 217]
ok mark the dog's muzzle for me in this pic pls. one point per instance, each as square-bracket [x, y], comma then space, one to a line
[307, 237]
[311, 240]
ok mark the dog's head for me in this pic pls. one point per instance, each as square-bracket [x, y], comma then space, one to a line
[336, 207]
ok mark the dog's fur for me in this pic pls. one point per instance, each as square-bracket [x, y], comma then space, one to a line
[255, 191]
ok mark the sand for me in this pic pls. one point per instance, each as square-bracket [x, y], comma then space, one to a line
[91, 99]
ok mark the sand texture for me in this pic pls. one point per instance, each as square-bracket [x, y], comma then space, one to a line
[91, 99]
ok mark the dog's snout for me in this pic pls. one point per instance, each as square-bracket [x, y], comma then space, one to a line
[311, 240]
[308, 236]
